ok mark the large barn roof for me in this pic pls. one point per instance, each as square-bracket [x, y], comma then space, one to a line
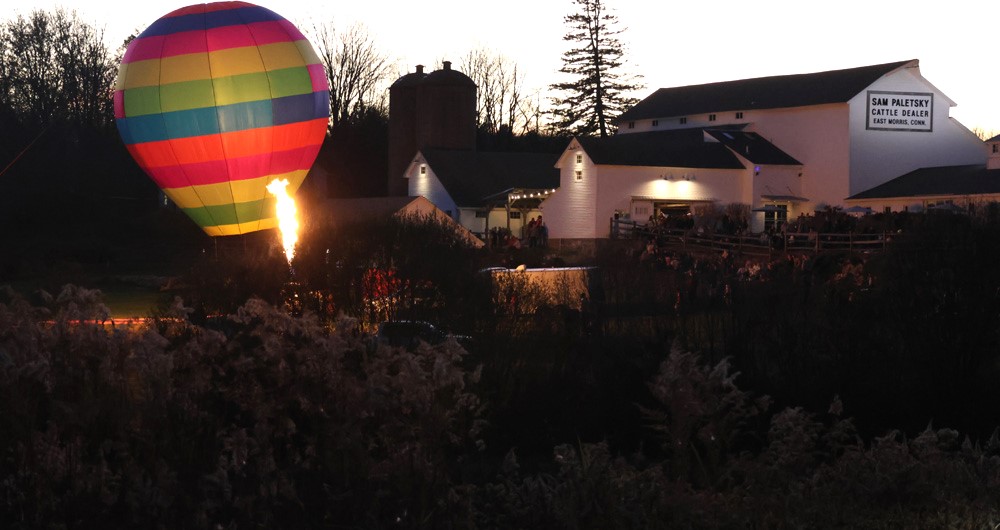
[783, 91]
[674, 148]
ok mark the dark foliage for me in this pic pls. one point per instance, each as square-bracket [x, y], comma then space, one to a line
[905, 336]
[278, 421]
[355, 157]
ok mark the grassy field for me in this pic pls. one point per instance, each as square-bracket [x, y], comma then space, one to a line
[132, 301]
[125, 297]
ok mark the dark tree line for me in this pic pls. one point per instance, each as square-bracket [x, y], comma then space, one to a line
[68, 188]
[56, 69]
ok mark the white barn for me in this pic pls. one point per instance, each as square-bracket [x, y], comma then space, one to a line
[784, 145]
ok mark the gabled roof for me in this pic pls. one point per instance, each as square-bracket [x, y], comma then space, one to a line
[753, 147]
[672, 148]
[472, 176]
[945, 180]
[994, 139]
[365, 208]
[783, 91]
[373, 209]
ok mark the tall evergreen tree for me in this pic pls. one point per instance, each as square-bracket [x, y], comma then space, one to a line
[598, 91]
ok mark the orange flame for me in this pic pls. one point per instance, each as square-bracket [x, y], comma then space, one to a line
[288, 223]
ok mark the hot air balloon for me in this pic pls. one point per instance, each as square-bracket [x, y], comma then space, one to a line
[215, 101]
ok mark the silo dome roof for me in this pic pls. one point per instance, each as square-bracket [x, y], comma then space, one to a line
[411, 79]
[447, 76]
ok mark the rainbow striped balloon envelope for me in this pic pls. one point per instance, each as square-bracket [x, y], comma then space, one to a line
[214, 101]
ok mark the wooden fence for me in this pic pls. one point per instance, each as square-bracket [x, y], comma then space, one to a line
[754, 243]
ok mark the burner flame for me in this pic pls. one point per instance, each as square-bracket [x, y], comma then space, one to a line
[288, 223]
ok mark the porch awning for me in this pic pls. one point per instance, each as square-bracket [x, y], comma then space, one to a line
[783, 198]
[668, 199]
[769, 208]
[519, 198]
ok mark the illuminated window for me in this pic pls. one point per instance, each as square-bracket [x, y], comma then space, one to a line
[711, 117]
[683, 121]
[578, 174]
[739, 115]
[579, 159]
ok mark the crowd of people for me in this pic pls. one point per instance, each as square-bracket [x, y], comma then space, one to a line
[534, 234]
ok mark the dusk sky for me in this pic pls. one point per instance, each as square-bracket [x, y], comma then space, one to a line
[668, 43]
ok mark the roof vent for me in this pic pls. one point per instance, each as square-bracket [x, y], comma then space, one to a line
[446, 65]
[420, 68]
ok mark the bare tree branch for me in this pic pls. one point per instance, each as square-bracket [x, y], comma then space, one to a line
[358, 72]
[500, 103]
